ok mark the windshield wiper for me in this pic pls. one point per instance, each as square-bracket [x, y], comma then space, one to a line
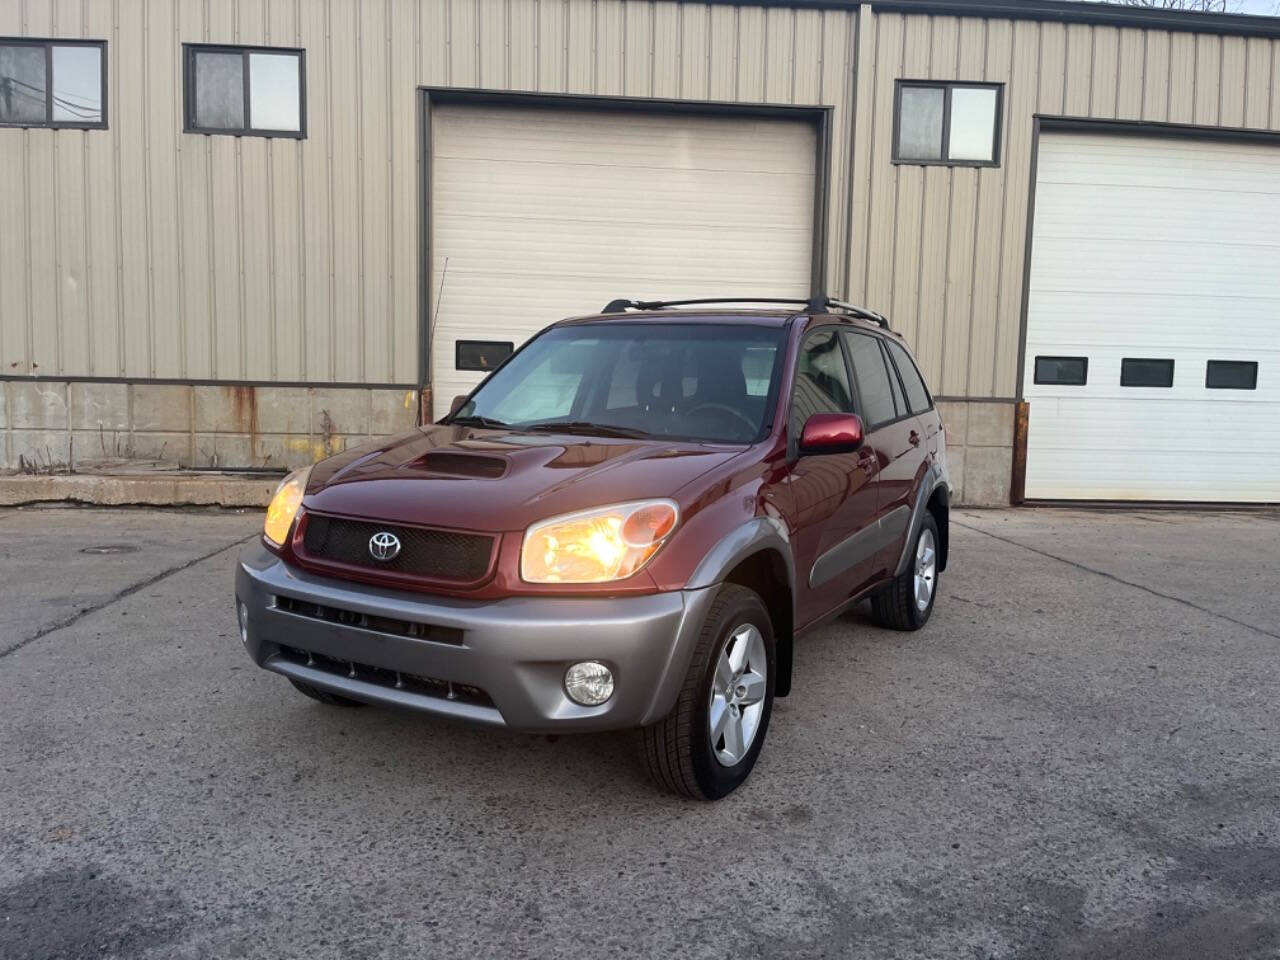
[587, 427]
[473, 420]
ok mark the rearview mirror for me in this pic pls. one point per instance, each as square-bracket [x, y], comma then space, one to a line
[831, 433]
[459, 402]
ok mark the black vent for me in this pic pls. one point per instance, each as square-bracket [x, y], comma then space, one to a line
[440, 554]
[368, 621]
[391, 679]
[465, 465]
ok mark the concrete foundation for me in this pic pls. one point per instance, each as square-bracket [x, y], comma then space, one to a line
[979, 450]
[57, 426]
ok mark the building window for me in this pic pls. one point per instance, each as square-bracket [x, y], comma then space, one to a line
[246, 91]
[948, 123]
[1063, 371]
[481, 354]
[1231, 375]
[53, 83]
[1146, 373]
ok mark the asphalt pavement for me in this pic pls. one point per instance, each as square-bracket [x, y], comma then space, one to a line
[1079, 757]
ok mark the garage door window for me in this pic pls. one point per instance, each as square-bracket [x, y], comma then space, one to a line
[1062, 371]
[481, 354]
[1146, 373]
[245, 91]
[47, 84]
[1231, 375]
[947, 123]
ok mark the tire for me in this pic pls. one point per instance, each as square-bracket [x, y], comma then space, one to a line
[678, 750]
[897, 606]
[324, 696]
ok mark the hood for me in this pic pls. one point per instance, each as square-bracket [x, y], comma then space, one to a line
[468, 478]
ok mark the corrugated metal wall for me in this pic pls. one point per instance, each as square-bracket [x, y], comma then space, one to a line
[144, 252]
[940, 249]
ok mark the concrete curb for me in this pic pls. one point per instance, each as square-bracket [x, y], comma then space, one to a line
[163, 490]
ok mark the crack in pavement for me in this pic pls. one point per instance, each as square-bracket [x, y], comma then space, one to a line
[1127, 583]
[120, 595]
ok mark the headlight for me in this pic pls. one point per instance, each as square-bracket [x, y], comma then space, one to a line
[595, 546]
[284, 506]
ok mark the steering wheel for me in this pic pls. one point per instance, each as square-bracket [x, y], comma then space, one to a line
[724, 408]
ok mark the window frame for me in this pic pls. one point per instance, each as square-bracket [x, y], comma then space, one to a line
[1208, 366]
[896, 368]
[1037, 379]
[947, 87]
[1149, 386]
[189, 125]
[458, 348]
[49, 123]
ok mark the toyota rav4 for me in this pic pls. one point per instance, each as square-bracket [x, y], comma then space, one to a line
[628, 524]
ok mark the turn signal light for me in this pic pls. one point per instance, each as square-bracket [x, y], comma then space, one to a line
[596, 546]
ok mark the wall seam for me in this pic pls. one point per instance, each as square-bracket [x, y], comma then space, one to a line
[897, 193]
[114, 70]
[175, 46]
[332, 281]
[853, 30]
[363, 312]
[390, 318]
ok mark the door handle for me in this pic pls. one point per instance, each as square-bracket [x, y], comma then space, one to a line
[914, 438]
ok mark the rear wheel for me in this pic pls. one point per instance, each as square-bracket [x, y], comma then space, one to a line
[705, 748]
[908, 601]
[324, 696]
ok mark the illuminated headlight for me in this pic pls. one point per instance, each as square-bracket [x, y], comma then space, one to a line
[589, 683]
[284, 506]
[596, 546]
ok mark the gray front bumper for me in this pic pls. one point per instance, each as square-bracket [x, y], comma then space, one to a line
[515, 650]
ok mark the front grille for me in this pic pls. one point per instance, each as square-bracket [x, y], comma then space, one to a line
[439, 554]
[391, 679]
[367, 621]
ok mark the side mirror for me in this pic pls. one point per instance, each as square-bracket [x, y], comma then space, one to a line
[459, 402]
[831, 433]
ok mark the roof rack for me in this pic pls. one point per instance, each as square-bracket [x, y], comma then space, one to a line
[621, 306]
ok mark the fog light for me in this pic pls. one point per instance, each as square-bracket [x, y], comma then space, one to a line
[589, 683]
[242, 614]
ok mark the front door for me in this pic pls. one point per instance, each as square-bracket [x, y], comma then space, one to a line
[834, 495]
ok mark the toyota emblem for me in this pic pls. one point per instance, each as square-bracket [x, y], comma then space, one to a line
[384, 546]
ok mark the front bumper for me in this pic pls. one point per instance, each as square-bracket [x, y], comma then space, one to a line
[499, 663]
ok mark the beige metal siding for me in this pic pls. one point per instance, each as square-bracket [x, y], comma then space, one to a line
[144, 252]
[141, 251]
[907, 220]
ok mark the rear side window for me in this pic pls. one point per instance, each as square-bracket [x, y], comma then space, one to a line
[822, 380]
[872, 377]
[917, 392]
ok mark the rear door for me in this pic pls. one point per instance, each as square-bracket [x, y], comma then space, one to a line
[894, 435]
[834, 495]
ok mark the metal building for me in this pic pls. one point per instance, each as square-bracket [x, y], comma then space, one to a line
[243, 233]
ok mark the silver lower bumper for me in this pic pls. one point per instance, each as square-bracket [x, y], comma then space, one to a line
[500, 663]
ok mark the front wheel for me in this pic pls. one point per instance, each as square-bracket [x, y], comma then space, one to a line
[705, 748]
[907, 602]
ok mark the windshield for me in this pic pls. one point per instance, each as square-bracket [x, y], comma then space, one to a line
[708, 382]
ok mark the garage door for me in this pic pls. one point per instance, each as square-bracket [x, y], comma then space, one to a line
[542, 214]
[1153, 321]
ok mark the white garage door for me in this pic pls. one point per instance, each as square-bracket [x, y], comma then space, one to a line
[1157, 261]
[542, 214]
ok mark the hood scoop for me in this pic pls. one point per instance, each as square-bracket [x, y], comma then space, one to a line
[447, 464]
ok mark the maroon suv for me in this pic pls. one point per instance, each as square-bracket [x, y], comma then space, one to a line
[626, 525]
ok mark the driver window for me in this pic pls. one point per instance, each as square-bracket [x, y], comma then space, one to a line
[822, 380]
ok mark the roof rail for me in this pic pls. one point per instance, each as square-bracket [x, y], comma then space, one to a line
[621, 306]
